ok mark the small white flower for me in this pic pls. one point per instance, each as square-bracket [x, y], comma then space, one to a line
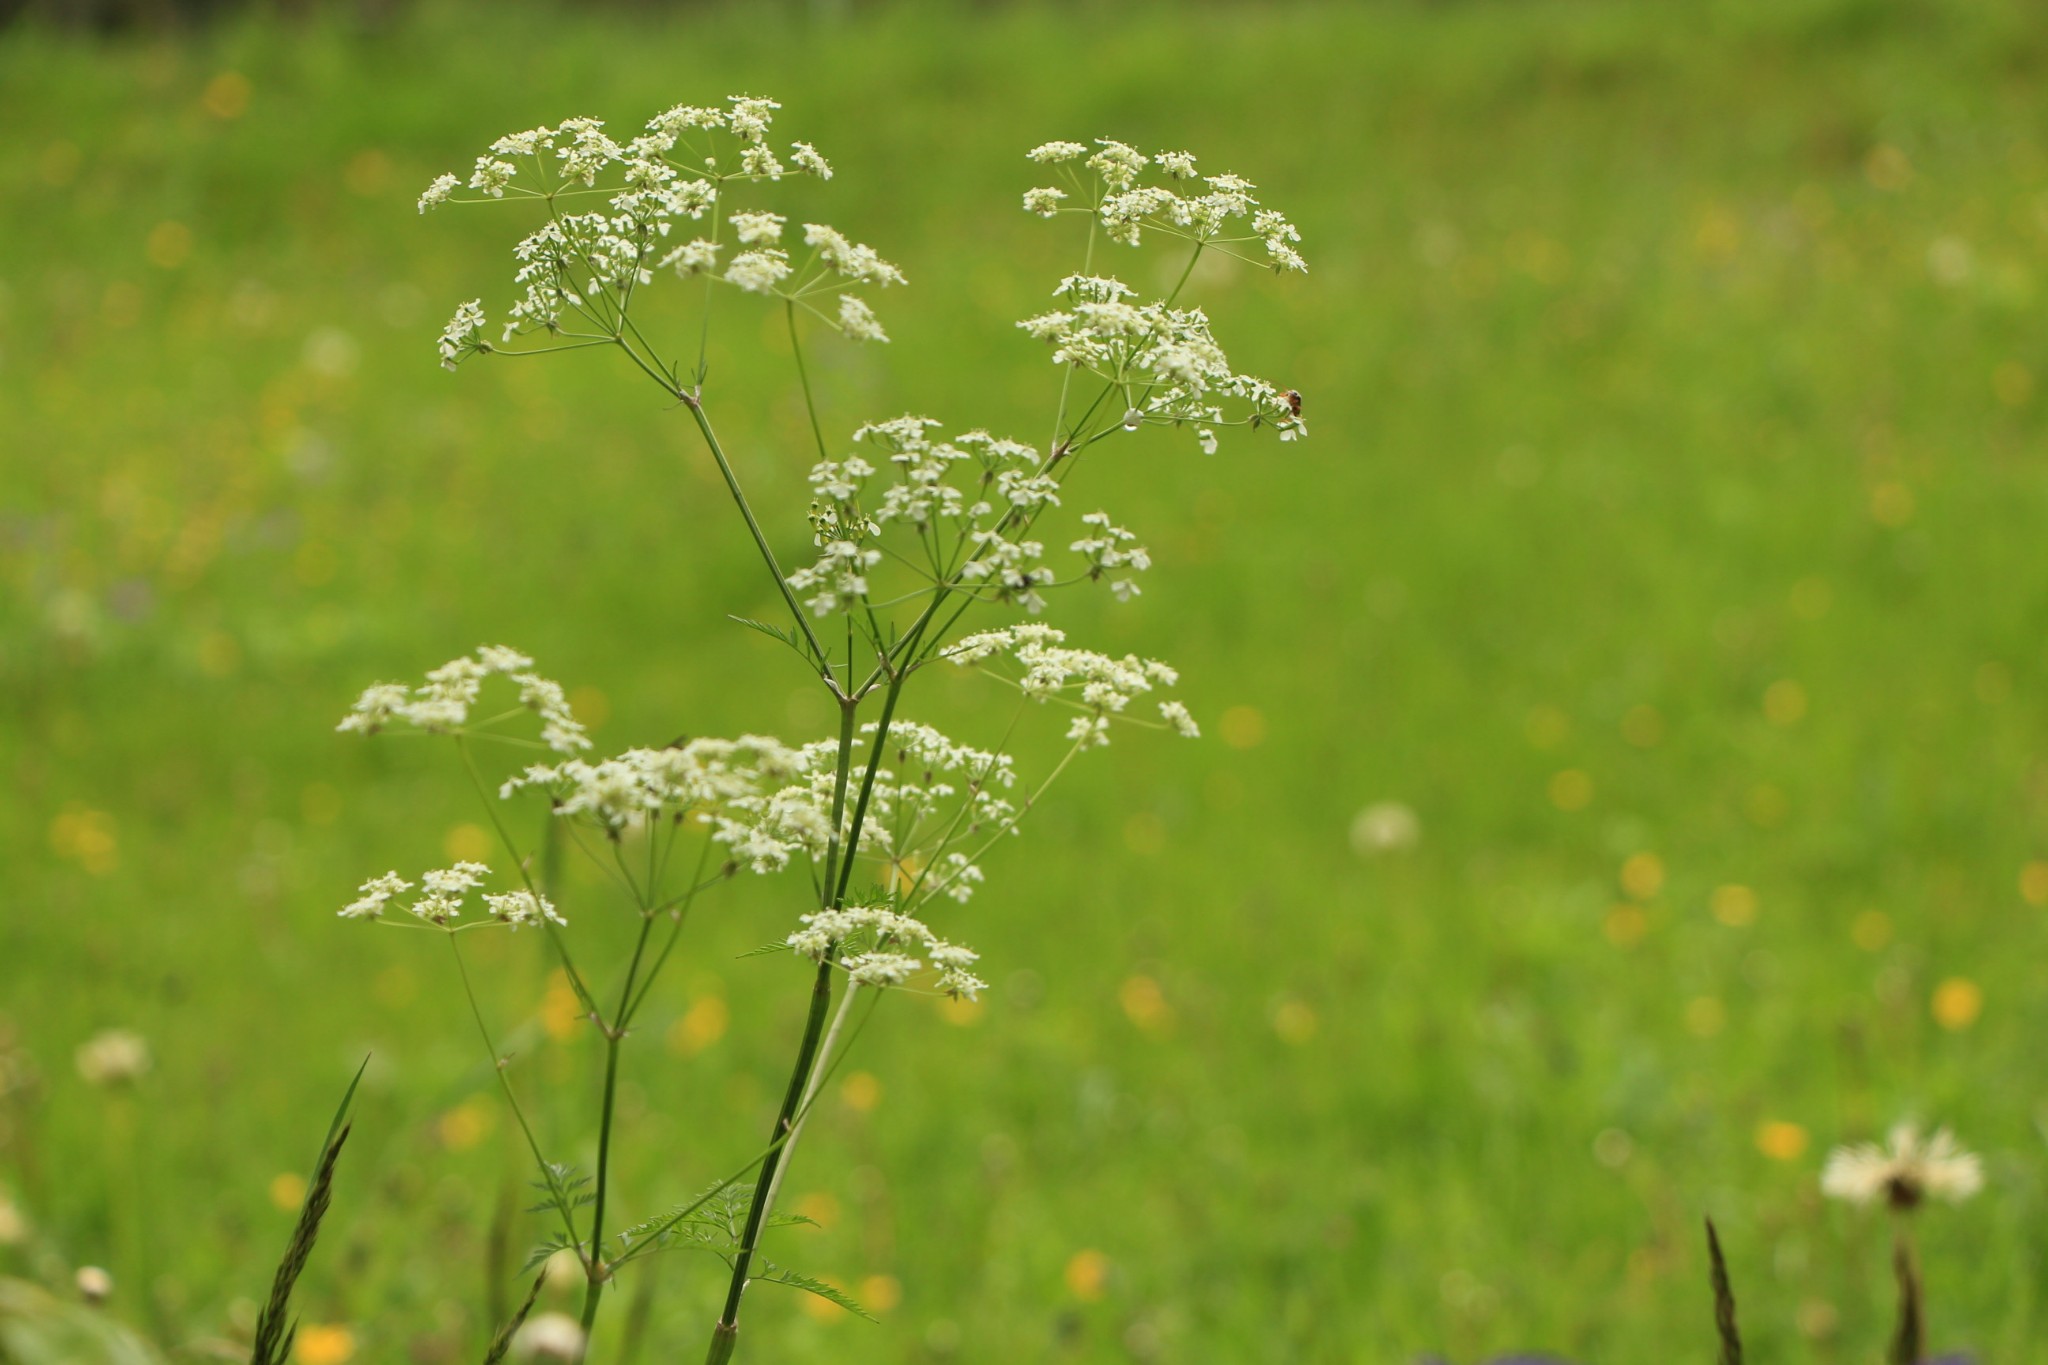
[1118, 163]
[1177, 715]
[453, 881]
[857, 320]
[492, 176]
[758, 272]
[693, 258]
[461, 336]
[437, 193]
[375, 708]
[881, 969]
[518, 908]
[1903, 1173]
[1090, 732]
[756, 229]
[750, 116]
[372, 896]
[1045, 201]
[1057, 151]
[1179, 165]
[807, 159]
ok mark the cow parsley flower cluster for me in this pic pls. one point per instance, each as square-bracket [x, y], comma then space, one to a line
[1108, 184]
[728, 784]
[442, 703]
[878, 936]
[578, 272]
[1099, 686]
[1163, 361]
[969, 504]
[446, 890]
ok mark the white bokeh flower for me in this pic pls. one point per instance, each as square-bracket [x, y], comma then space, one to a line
[1907, 1170]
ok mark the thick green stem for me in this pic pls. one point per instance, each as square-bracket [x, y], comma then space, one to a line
[599, 1272]
[848, 709]
[726, 1334]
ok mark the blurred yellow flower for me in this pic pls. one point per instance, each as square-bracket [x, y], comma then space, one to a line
[560, 1010]
[1242, 727]
[1734, 906]
[1294, 1021]
[1781, 1140]
[466, 1125]
[880, 1293]
[466, 843]
[323, 1344]
[2034, 883]
[1145, 1005]
[1642, 875]
[288, 1191]
[702, 1024]
[1087, 1275]
[1626, 924]
[1784, 702]
[1571, 790]
[1957, 1003]
[861, 1092]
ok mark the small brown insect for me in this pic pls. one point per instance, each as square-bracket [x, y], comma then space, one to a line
[1293, 402]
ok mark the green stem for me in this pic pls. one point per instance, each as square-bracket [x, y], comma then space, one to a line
[505, 835]
[599, 1272]
[848, 708]
[547, 1171]
[726, 1334]
[732, 484]
[804, 376]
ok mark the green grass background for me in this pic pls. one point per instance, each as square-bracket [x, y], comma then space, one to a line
[1653, 356]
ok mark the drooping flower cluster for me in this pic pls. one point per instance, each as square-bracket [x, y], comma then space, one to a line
[1224, 215]
[1098, 685]
[579, 271]
[446, 890]
[442, 703]
[1909, 1169]
[1163, 361]
[878, 938]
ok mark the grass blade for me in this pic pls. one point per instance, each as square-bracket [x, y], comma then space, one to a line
[274, 1327]
[502, 1342]
[1724, 1301]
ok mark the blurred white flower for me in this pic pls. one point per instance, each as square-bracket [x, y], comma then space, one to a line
[94, 1284]
[116, 1056]
[1908, 1169]
[549, 1336]
[1384, 827]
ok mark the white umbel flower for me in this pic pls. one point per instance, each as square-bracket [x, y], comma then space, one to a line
[437, 193]
[857, 321]
[1907, 1170]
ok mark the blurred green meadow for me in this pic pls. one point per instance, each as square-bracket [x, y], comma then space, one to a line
[1668, 544]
